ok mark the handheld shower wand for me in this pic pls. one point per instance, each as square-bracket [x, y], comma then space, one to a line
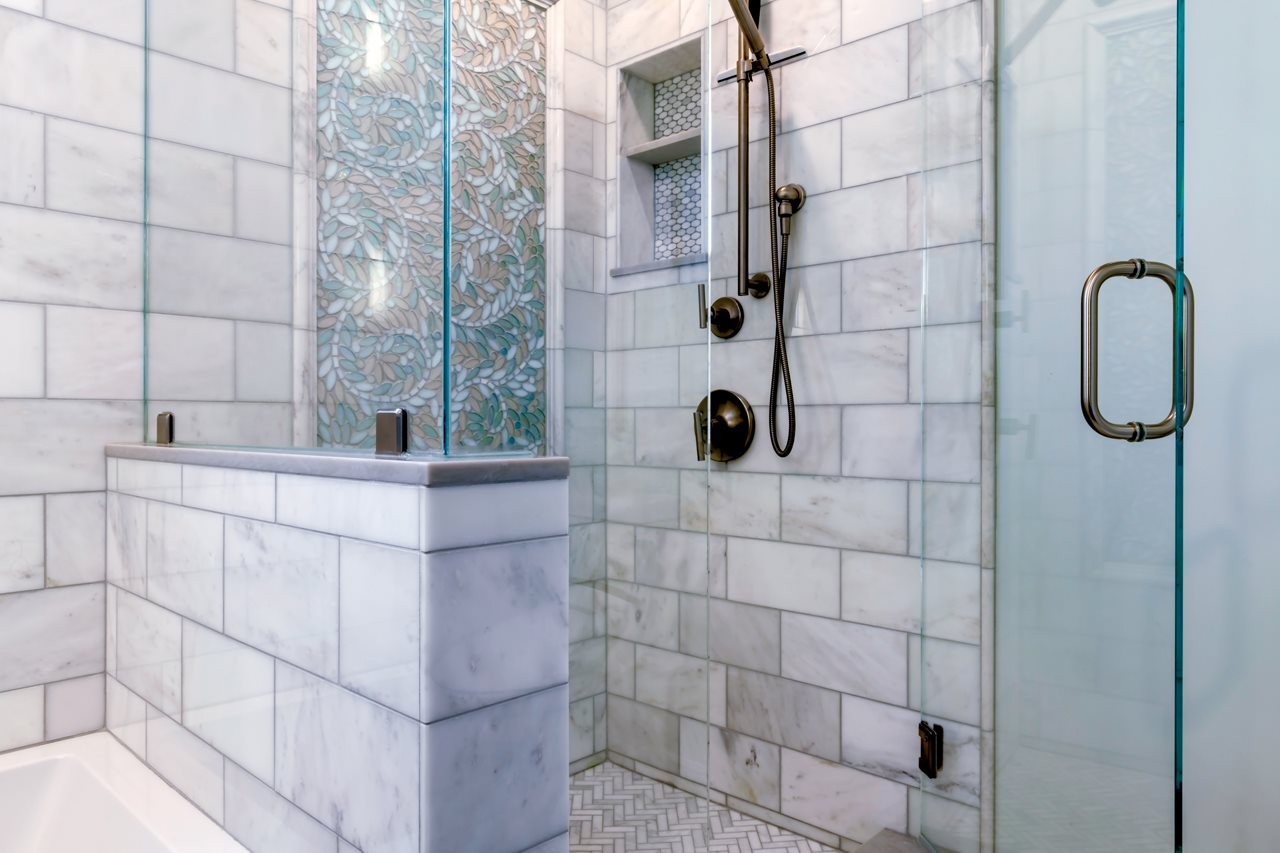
[784, 203]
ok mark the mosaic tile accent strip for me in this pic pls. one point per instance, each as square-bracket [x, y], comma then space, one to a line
[677, 104]
[380, 98]
[677, 208]
[381, 150]
[497, 263]
[614, 810]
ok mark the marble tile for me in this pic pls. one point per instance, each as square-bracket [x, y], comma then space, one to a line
[74, 707]
[23, 714]
[350, 762]
[205, 275]
[22, 557]
[110, 638]
[507, 607]
[261, 819]
[953, 601]
[634, 29]
[620, 329]
[581, 728]
[854, 804]
[51, 634]
[644, 614]
[587, 546]
[494, 779]
[149, 651]
[952, 198]
[671, 559]
[951, 824]
[93, 170]
[620, 545]
[584, 87]
[74, 538]
[65, 455]
[127, 717]
[379, 640]
[880, 589]
[176, 174]
[228, 698]
[157, 481]
[952, 443]
[744, 767]
[693, 625]
[785, 712]
[201, 31]
[115, 370]
[190, 358]
[845, 513]
[127, 542]
[952, 373]
[867, 17]
[744, 504]
[949, 677]
[810, 582]
[232, 491]
[378, 512]
[22, 157]
[953, 125]
[951, 527]
[263, 195]
[957, 34]
[675, 682]
[100, 87]
[22, 352]
[263, 40]
[882, 292]
[883, 143]
[880, 739]
[621, 667]
[585, 436]
[644, 496]
[867, 367]
[184, 561]
[876, 68]
[642, 377]
[638, 730]
[695, 750]
[882, 442]
[281, 587]
[186, 762]
[745, 636]
[61, 258]
[960, 776]
[586, 668]
[843, 656]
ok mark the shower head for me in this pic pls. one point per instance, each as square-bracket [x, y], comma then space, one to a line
[751, 32]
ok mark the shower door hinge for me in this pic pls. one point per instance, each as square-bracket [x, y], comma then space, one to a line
[391, 432]
[930, 749]
[164, 428]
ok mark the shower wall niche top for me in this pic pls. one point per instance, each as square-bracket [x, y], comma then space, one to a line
[660, 122]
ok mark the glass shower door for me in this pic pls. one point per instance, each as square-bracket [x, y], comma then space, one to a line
[1086, 527]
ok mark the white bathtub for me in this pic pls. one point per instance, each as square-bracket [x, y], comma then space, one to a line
[91, 794]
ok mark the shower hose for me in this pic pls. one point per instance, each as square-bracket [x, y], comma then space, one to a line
[781, 366]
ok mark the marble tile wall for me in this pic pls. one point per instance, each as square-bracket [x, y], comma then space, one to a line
[849, 583]
[71, 291]
[380, 679]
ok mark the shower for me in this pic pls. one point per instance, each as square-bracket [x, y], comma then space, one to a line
[784, 203]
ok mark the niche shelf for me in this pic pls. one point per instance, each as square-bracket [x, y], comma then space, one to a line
[660, 130]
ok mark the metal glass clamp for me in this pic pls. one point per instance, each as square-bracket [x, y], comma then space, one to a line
[1133, 431]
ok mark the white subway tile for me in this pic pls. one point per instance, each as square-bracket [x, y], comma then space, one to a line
[228, 699]
[281, 590]
[82, 76]
[22, 350]
[189, 187]
[149, 651]
[74, 707]
[379, 512]
[94, 354]
[200, 30]
[23, 714]
[232, 491]
[61, 258]
[380, 638]
[264, 196]
[857, 659]
[74, 538]
[21, 157]
[184, 561]
[186, 762]
[785, 576]
[93, 170]
[22, 557]
[845, 513]
[50, 635]
[190, 358]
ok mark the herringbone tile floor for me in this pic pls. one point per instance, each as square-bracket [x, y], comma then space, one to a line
[614, 810]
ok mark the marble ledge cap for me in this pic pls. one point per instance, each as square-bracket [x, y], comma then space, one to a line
[356, 465]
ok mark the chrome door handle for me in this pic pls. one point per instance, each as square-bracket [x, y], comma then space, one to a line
[1134, 430]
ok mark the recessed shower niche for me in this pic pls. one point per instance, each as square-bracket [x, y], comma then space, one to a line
[660, 124]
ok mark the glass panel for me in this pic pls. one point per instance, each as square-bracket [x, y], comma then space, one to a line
[950, 503]
[1230, 469]
[1085, 526]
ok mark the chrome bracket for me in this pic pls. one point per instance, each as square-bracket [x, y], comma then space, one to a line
[391, 432]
